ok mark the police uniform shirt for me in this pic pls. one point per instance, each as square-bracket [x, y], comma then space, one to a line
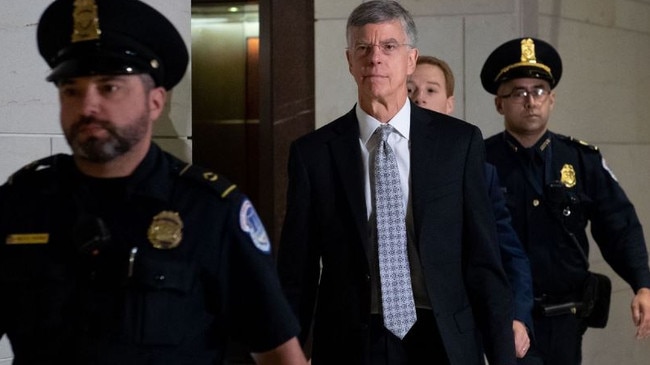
[90, 275]
[589, 193]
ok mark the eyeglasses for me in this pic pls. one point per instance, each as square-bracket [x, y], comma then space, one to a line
[387, 48]
[520, 95]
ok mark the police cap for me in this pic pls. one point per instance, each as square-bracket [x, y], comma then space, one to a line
[521, 58]
[110, 37]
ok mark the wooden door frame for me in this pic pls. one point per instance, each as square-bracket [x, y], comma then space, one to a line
[287, 98]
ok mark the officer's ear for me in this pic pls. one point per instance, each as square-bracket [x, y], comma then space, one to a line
[156, 95]
[498, 104]
[551, 100]
[157, 100]
[498, 101]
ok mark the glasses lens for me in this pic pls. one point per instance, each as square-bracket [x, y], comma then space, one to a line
[520, 95]
[539, 92]
[387, 48]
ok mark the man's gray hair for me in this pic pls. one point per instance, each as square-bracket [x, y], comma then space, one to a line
[382, 11]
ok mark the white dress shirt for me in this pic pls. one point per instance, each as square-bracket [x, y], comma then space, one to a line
[398, 141]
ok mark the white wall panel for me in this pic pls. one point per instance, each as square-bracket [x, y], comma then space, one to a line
[336, 92]
[602, 91]
[483, 33]
[442, 37]
[455, 7]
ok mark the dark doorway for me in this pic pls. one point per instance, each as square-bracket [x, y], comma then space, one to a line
[226, 91]
[244, 131]
[246, 115]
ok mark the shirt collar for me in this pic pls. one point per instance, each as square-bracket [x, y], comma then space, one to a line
[368, 124]
[539, 146]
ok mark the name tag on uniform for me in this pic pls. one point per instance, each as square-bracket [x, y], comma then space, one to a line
[28, 239]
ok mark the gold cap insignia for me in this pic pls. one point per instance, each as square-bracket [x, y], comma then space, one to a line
[528, 58]
[166, 230]
[85, 21]
[568, 176]
[528, 51]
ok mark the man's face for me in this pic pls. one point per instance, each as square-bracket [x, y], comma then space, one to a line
[525, 115]
[104, 117]
[427, 88]
[380, 60]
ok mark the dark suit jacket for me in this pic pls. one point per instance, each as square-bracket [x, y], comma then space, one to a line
[514, 258]
[326, 224]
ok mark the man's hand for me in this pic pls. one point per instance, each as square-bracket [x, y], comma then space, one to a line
[641, 313]
[288, 353]
[522, 342]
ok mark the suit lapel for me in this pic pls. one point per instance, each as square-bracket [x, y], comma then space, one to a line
[425, 143]
[430, 145]
[347, 160]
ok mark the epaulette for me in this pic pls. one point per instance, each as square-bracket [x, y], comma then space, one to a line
[583, 143]
[32, 168]
[222, 186]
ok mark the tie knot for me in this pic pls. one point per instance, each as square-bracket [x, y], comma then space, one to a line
[384, 131]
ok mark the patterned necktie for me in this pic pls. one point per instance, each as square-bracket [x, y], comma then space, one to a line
[395, 274]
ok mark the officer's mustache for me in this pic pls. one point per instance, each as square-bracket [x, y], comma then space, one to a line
[93, 148]
[85, 121]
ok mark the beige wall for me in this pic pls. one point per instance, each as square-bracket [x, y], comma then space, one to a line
[603, 97]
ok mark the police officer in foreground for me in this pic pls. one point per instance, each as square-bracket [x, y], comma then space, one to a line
[121, 253]
[554, 185]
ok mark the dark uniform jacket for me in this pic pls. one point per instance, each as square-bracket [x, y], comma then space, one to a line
[552, 190]
[82, 282]
[455, 234]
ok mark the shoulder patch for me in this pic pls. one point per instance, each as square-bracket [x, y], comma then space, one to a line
[251, 224]
[583, 143]
[218, 183]
[594, 149]
[606, 167]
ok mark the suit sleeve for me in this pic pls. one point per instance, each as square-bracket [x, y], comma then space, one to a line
[514, 258]
[298, 258]
[488, 286]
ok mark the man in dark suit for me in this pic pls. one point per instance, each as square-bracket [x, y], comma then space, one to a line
[431, 86]
[332, 256]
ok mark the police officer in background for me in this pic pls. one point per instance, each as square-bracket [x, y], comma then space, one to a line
[554, 185]
[121, 253]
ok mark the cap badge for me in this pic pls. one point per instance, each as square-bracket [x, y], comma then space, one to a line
[528, 51]
[568, 176]
[166, 230]
[527, 58]
[86, 21]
